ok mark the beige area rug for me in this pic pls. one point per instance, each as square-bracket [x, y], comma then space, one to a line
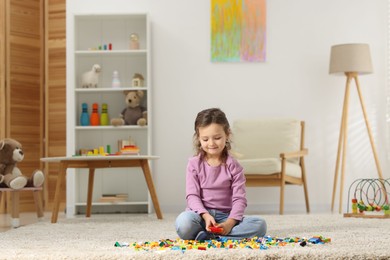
[94, 238]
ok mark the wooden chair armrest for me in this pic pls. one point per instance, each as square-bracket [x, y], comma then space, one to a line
[300, 153]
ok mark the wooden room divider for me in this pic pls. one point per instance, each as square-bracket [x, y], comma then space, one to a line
[32, 86]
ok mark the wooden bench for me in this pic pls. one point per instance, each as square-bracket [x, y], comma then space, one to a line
[15, 194]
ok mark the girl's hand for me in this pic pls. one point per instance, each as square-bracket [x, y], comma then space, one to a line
[209, 220]
[227, 226]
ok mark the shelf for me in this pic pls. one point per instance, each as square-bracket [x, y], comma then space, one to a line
[110, 52]
[89, 90]
[91, 31]
[110, 127]
[109, 16]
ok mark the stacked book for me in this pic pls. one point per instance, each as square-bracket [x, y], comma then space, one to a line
[113, 198]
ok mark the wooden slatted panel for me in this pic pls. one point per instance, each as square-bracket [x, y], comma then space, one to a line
[2, 69]
[24, 117]
[55, 129]
[2, 83]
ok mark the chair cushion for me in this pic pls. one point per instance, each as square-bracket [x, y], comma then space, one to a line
[266, 138]
[269, 166]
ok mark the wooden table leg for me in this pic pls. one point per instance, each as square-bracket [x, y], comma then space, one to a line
[15, 209]
[149, 181]
[38, 203]
[91, 178]
[57, 196]
[2, 202]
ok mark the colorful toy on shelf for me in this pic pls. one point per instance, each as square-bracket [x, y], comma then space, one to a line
[123, 142]
[116, 83]
[104, 115]
[94, 152]
[130, 150]
[81, 152]
[370, 198]
[84, 118]
[127, 147]
[94, 120]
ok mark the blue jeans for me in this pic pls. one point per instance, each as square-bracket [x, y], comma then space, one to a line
[189, 224]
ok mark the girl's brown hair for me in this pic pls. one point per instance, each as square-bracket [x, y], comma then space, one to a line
[205, 118]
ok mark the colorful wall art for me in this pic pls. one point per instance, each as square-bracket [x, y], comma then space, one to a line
[238, 30]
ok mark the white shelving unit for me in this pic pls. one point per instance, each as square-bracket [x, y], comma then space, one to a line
[91, 33]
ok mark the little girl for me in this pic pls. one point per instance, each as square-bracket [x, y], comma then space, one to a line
[215, 186]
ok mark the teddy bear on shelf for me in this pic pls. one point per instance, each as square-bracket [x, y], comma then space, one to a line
[10, 154]
[134, 113]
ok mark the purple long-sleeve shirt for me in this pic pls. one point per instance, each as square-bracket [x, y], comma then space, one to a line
[221, 188]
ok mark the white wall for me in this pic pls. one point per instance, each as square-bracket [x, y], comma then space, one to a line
[293, 82]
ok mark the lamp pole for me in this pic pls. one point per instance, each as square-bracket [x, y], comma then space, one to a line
[342, 145]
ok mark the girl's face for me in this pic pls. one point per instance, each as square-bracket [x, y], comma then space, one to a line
[212, 139]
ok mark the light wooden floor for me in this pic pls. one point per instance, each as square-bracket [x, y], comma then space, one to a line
[26, 218]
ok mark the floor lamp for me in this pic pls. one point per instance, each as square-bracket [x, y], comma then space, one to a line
[350, 60]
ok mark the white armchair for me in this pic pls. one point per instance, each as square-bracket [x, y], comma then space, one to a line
[272, 152]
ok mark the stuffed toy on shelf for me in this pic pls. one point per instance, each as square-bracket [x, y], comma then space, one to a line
[134, 113]
[90, 79]
[11, 153]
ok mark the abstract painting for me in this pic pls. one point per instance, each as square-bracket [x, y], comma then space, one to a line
[238, 30]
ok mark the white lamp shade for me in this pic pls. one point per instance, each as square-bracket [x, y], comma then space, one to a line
[354, 57]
